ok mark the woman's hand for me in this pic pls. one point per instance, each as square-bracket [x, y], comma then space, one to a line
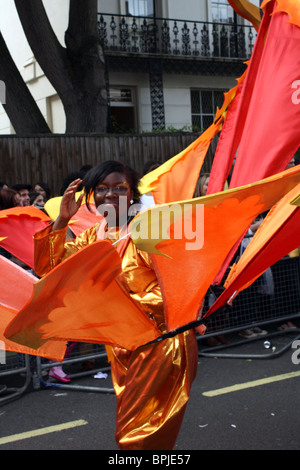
[69, 205]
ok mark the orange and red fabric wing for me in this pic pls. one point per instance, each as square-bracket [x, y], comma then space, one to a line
[234, 123]
[277, 236]
[264, 123]
[17, 287]
[195, 243]
[80, 300]
[224, 155]
[291, 7]
[176, 179]
[17, 228]
[270, 135]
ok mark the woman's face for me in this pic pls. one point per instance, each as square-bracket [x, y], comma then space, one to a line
[112, 198]
[17, 200]
[39, 201]
[204, 187]
[40, 190]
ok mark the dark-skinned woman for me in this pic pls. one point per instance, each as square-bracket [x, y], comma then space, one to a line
[152, 383]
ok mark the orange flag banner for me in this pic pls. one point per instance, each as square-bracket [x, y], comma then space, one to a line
[195, 237]
[17, 228]
[81, 301]
[291, 7]
[176, 178]
[277, 236]
[270, 136]
[17, 286]
[236, 115]
[224, 153]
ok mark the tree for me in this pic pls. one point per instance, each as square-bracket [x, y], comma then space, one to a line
[77, 71]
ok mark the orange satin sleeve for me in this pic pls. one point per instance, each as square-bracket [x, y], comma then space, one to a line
[50, 248]
[139, 278]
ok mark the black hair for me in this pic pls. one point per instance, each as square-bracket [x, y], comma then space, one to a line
[45, 187]
[20, 186]
[33, 195]
[68, 180]
[97, 174]
[150, 166]
[8, 198]
[84, 169]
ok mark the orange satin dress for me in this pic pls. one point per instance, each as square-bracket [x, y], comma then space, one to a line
[152, 383]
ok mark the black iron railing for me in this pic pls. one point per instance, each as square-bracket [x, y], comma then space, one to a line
[171, 37]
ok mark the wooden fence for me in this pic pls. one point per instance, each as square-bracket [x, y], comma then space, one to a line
[52, 157]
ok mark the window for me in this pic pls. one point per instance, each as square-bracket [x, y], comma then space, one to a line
[122, 109]
[140, 7]
[222, 12]
[204, 104]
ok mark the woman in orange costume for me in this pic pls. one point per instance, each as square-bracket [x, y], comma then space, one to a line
[152, 383]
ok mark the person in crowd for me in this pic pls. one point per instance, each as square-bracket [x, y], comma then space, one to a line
[147, 199]
[151, 165]
[260, 295]
[258, 291]
[291, 163]
[202, 185]
[23, 189]
[43, 189]
[152, 383]
[9, 198]
[3, 185]
[37, 200]
[294, 253]
[85, 169]
[75, 175]
[68, 179]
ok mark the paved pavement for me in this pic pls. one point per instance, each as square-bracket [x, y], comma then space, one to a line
[237, 403]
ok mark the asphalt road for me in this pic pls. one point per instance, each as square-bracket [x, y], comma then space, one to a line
[236, 403]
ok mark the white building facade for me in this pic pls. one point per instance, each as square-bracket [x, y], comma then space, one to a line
[168, 61]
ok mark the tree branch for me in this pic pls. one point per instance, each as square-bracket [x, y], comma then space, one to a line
[21, 108]
[48, 51]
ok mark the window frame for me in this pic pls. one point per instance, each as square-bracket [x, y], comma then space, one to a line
[214, 104]
[137, 10]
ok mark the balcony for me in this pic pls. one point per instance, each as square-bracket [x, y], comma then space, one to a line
[171, 38]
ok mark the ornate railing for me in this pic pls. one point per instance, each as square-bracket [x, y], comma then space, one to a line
[161, 36]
